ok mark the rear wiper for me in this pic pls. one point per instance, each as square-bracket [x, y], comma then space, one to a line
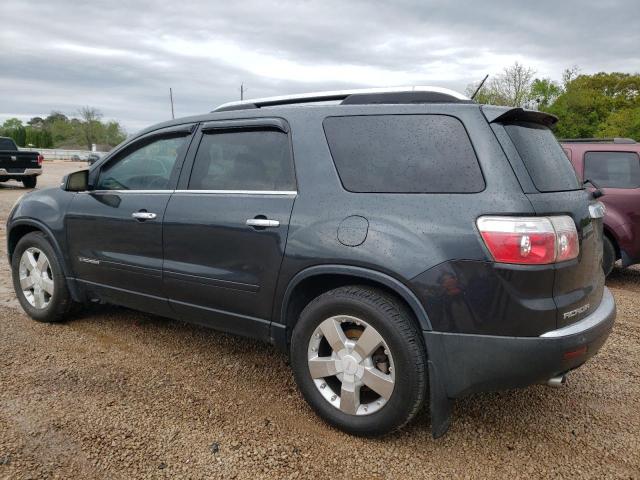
[597, 193]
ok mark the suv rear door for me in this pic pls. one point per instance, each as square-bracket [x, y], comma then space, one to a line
[551, 185]
[226, 225]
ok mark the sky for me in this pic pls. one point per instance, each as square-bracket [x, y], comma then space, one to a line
[122, 56]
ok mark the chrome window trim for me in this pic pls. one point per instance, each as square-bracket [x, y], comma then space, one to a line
[214, 192]
[241, 192]
[151, 192]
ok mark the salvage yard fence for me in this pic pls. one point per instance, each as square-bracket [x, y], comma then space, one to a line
[60, 154]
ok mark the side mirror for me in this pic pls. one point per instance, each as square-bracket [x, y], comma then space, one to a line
[76, 181]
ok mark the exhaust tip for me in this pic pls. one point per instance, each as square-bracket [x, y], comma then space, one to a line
[558, 381]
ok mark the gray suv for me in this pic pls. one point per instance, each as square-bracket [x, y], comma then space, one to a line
[402, 246]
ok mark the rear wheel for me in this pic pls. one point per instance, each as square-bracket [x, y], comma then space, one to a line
[38, 279]
[359, 360]
[30, 182]
[608, 255]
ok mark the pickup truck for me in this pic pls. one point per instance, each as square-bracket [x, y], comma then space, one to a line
[18, 165]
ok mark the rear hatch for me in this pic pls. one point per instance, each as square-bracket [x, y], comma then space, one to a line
[550, 183]
[16, 161]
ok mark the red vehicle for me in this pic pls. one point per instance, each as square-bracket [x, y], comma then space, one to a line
[614, 166]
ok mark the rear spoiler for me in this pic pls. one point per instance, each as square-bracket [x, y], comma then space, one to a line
[510, 114]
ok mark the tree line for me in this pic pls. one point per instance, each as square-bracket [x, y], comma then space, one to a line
[58, 130]
[598, 105]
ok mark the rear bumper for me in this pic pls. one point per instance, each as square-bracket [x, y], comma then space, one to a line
[475, 363]
[28, 172]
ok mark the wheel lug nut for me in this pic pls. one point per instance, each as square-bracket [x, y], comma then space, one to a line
[333, 398]
[323, 385]
[386, 352]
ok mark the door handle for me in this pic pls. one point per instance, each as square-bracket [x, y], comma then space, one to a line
[262, 223]
[143, 215]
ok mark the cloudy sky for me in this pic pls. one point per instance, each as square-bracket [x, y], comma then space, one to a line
[122, 56]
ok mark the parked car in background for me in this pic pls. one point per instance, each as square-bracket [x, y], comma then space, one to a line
[90, 158]
[402, 246]
[19, 165]
[614, 166]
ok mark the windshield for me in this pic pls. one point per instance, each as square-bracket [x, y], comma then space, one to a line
[544, 159]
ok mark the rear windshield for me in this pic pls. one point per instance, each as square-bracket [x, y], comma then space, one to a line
[7, 144]
[543, 157]
[403, 154]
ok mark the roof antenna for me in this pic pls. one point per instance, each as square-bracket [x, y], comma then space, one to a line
[479, 86]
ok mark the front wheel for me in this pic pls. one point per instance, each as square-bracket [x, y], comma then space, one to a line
[38, 279]
[359, 360]
[30, 182]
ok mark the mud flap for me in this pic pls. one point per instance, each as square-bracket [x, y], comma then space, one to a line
[439, 402]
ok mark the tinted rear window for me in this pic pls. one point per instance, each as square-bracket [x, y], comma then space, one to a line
[7, 144]
[613, 169]
[543, 157]
[403, 154]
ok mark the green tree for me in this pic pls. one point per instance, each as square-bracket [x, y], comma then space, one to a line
[588, 101]
[11, 123]
[544, 92]
[622, 123]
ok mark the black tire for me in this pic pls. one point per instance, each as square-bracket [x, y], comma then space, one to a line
[60, 303]
[398, 329]
[30, 182]
[608, 256]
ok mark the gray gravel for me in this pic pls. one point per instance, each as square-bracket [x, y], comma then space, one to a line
[119, 394]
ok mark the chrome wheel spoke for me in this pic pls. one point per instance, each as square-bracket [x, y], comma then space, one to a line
[368, 342]
[349, 397]
[321, 367]
[332, 331]
[26, 283]
[42, 264]
[47, 285]
[379, 382]
[38, 297]
[29, 260]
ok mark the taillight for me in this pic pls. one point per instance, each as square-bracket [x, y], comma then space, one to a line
[40, 160]
[530, 240]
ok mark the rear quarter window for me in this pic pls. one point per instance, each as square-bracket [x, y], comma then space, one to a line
[543, 157]
[403, 154]
[613, 169]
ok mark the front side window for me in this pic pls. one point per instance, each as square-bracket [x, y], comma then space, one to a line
[613, 169]
[403, 154]
[257, 160]
[147, 167]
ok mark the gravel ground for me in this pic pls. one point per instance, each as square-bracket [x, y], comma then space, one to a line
[119, 394]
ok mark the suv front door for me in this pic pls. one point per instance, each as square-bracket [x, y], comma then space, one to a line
[114, 231]
[226, 226]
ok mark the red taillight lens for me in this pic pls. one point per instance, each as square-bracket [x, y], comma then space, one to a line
[530, 240]
[40, 160]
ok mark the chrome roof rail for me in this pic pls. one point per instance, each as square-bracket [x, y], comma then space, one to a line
[336, 95]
